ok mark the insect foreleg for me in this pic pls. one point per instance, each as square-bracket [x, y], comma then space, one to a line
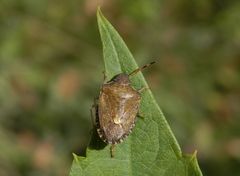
[143, 89]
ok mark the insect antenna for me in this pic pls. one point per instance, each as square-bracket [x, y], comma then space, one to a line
[141, 68]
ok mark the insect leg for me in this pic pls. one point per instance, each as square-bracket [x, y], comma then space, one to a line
[92, 116]
[112, 150]
[93, 112]
[140, 115]
[143, 89]
[140, 69]
[104, 77]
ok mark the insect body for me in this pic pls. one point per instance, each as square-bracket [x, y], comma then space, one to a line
[117, 108]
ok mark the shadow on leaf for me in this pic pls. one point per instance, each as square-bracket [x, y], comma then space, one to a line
[96, 143]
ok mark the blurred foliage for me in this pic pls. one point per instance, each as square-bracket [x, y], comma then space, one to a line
[51, 64]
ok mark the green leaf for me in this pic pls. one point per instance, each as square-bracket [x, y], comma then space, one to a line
[151, 149]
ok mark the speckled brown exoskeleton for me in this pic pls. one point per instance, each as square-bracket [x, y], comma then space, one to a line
[117, 107]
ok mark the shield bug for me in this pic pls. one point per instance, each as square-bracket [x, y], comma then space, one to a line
[117, 108]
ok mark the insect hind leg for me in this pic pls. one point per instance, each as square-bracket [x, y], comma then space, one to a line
[93, 110]
[140, 115]
[112, 150]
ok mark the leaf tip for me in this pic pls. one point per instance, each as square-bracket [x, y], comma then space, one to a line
[99, 12]
[75, 156]
[194, 155]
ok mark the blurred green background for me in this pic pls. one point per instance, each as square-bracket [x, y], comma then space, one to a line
[51, 69]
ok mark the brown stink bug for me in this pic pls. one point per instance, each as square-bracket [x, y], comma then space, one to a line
[117, 108]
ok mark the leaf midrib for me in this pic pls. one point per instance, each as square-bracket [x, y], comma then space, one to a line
[117, 56]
